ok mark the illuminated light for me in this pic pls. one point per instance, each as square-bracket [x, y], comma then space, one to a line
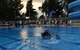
[38, 31]
[60, 4]
[24, 34]
[27, 17]
[64, 11]
[59, 15]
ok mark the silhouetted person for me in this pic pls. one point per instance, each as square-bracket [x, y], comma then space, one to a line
[46, 33]
[49, 35]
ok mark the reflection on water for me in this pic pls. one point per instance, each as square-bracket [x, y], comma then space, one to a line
[31, 41]
[38, 31]
[35, 42]
[24, 34]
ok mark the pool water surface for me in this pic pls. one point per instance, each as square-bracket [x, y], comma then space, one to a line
[29, 38]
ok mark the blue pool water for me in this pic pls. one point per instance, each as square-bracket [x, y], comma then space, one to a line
[29, 38]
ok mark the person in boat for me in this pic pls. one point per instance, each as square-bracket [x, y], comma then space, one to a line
[46, 33]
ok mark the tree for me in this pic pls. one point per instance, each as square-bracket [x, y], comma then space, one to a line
[48, 6]
[69, 1]
[14, 6]
[30, 10]
[42, 17]
[52, 8]
[3, 5]
[9, 9]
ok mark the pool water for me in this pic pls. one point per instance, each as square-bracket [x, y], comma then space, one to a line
[29, 38]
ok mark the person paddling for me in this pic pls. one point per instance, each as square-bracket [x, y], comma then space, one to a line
[48, 34]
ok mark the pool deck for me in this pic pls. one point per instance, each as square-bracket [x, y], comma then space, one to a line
[71, 25]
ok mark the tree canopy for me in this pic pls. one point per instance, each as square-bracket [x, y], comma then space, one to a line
[9, 9]
[53, 8]
[30, 10]
[42, 17]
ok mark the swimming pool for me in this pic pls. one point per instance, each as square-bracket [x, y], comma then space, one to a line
[28, 38]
